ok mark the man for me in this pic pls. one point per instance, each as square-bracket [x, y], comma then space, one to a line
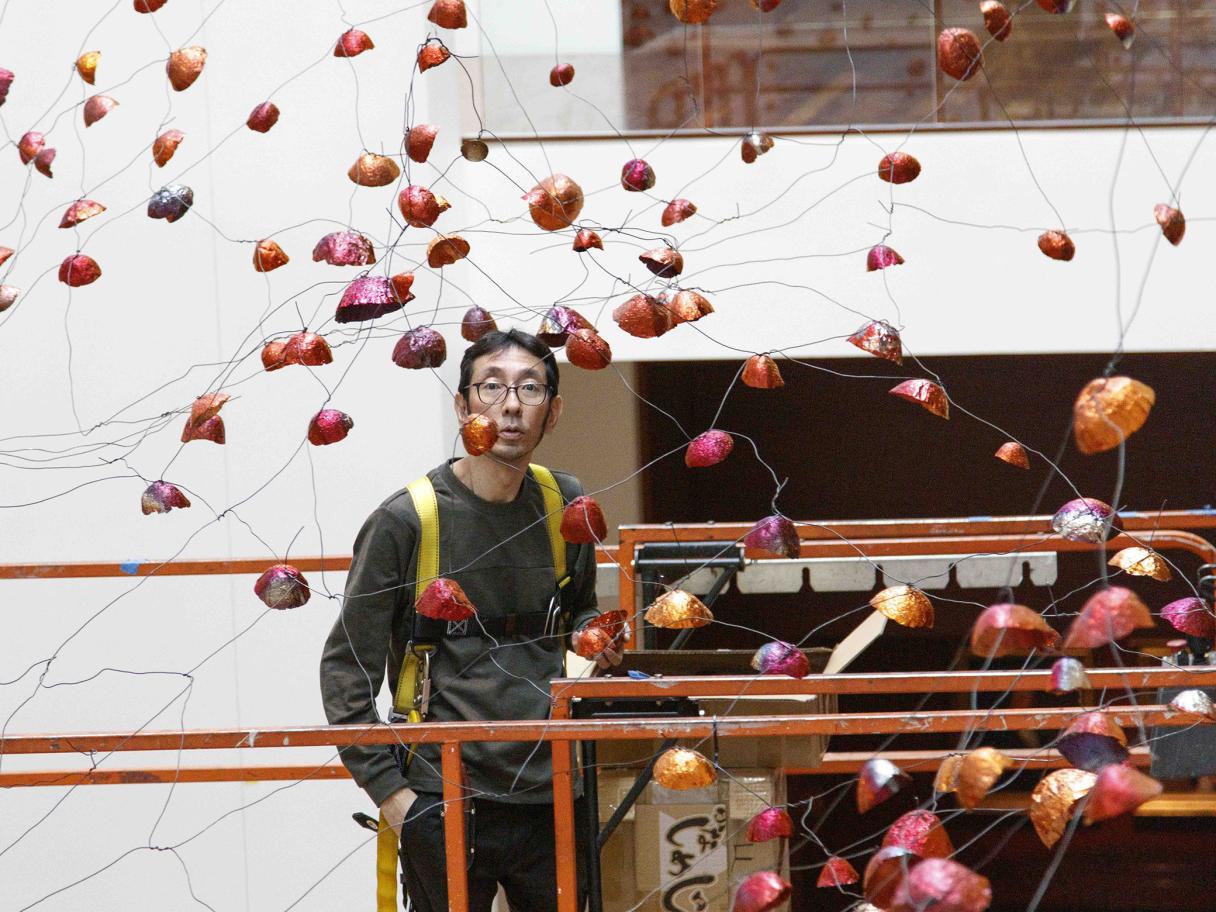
[494, 541]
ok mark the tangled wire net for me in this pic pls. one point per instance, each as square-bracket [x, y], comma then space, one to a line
[117, 404]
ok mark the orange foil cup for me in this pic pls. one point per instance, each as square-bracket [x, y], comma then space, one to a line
[760, 372]
[1053, 800]
[1007, 629]
[1139, 561]
[1014, 454]
[680, 768]
[924, 393]
[905, 605]
[1108, 411]
[479, 434]
[678, 610]
[920, 832]
[976, 774]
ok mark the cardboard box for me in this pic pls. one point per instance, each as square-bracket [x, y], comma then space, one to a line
[686, 851]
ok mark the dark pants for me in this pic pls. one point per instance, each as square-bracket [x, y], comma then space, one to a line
[508, 844]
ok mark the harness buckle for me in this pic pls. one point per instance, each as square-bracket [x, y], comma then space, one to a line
[553, 618]
[422, 697]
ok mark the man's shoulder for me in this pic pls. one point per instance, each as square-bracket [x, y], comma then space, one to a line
[400, 506]
[569, 484]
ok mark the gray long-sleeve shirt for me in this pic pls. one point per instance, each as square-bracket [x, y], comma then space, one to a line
[501, 556]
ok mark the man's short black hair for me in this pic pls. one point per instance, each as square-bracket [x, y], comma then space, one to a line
[496, 341]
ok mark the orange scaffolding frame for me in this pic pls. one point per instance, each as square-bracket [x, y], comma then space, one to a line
[904, 537]
[869, 539]
[562, 732]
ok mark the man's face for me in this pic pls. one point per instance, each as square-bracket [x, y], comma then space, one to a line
[520, 425]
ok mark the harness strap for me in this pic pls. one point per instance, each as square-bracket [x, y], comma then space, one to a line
[554, 504]
[387, 840]
[422, 492]
[414, 672]
[524, 624]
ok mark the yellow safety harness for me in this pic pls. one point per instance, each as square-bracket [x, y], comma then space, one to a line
[413, 683]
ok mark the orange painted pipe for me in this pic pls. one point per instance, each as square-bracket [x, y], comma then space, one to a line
[875, 539]
[833, 763]
[179, 775]
[199, 567]
[453, 826]
[924, 722]
[837, 763]
[913, 683]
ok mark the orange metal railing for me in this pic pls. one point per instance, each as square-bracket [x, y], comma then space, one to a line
[830, 538]
[889, 538]
[561, 732]
[835, 539]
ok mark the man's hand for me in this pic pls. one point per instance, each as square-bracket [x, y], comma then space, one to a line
[609, 658]
[586, 641]
[397, 806]
[612, 655]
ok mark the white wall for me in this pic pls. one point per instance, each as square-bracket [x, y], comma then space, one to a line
[530, 36]
[792, 272]
[177, 302]
[173, 296]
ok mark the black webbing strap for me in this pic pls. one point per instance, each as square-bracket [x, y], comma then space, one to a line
[527, 624]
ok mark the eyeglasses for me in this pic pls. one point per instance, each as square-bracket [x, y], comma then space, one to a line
[492, 392]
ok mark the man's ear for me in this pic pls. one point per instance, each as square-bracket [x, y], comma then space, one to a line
[462, 408]
[555, 412]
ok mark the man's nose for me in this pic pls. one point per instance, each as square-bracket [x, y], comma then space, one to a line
[511, 401]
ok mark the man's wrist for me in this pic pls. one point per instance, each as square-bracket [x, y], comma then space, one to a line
[386, 784]
[394, 795]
